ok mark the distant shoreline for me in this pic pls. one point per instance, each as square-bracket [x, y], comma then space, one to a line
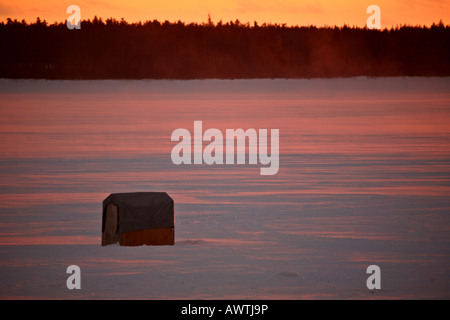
[113, 49]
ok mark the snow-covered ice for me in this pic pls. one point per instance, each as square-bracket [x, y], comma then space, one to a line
[364, 179]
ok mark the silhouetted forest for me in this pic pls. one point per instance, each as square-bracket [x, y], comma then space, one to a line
[114, 49]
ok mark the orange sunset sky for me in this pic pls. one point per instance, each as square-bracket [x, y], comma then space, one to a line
[291, 12]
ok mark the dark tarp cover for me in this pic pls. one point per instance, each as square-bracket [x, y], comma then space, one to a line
[141, 210]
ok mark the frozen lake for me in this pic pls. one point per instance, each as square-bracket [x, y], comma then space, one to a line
[364, 179]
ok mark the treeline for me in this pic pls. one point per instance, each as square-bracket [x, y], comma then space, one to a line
[114, 49]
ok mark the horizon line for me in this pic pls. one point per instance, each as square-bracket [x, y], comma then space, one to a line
[220, 22]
